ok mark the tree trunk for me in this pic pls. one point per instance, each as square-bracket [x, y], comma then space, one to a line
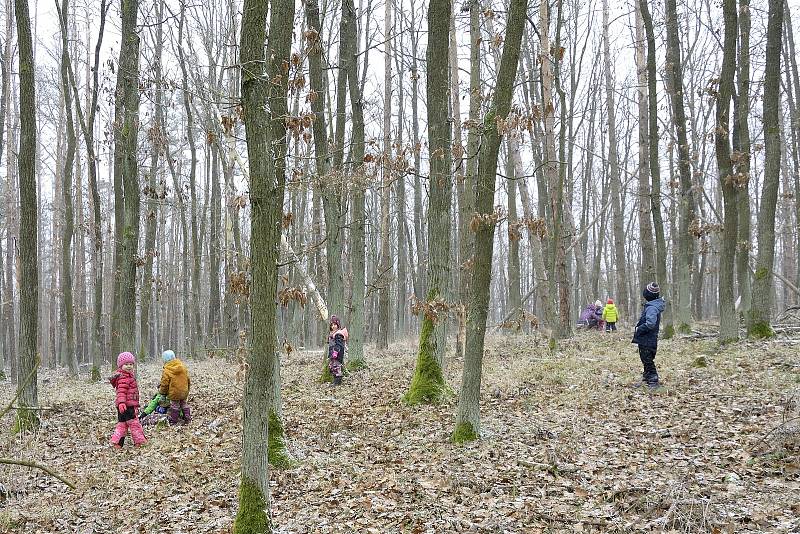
[741, 153]
[514, 235]
[683, 310]
[428, 383]
[468, 424]
[655, 170]
[648, 261]
[266, 149]
[758, 320]
[729, 323]
[27, 419]
[385, 270]
[349, 53]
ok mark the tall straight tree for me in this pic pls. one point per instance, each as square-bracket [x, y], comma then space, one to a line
[28, 253]
[67, 307]
[741, 154]
[264, 108]
[330, 186]
[350, 70]
[427, 384]
[728, 321]
[618, 215]
[126, 178]
[468, 423]
[655, 169]
[648, 262]
[682, 308]
[758, 319]
[385, 268]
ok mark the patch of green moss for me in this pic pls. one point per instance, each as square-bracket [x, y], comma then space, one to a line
[552, 344]
[684, 328]
[761, 273]
[760, 330]
[326, 376]
[252, 517]
[94, 374]
[427, 385]
[464, 432]
[353, 366]
[27, 420]
[669, 332]
[277, 454]
[700, 361]
[2, 375]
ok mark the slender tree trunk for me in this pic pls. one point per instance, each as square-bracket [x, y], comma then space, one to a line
[27, 419]
[428, 383]
[684, 263]
[514, 235]
[741, 155]
[357, 254]
[648, 261]
[385, 276]
[758, 320]
[728, 321]
[655, 170]
[468, 424]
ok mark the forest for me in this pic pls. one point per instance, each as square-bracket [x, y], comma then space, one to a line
[397, 266]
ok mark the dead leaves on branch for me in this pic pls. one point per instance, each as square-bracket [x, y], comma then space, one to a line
[434, 310]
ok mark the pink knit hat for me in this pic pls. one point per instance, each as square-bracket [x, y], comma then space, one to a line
[125, 357]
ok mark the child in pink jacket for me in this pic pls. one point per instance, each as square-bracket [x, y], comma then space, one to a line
[126, 402]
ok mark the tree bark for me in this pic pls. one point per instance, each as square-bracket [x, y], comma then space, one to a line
[655, 170]
[385, 269]
[758, 319]
[683, 310]
[427, 384]
[468, 424]
[263, 89]
[27, 418]
[728, 320]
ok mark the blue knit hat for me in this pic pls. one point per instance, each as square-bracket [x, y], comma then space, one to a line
[168, 355]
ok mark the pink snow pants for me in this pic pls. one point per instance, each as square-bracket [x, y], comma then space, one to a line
[137, 433]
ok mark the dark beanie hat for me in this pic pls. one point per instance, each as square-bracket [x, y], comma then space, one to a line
[335, 320]
[651, 292]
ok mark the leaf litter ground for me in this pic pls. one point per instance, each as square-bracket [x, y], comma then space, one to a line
[568, 445]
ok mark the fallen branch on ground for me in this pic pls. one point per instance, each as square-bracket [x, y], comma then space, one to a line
[10, 461]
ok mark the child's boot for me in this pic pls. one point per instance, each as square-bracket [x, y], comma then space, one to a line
[137, 433]
[119, 435]
[337, 380]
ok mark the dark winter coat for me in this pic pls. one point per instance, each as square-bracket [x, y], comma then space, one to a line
[127, 389]
[646, 333]
[336, 344]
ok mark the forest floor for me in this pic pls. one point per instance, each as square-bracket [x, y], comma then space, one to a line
[568, 446]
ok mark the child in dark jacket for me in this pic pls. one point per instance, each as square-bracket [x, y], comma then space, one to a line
[126, 402]
[646, 333]
[337, 340]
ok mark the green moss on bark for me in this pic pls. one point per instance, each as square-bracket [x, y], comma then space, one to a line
[277, 454]
[463, 433]
[252, 517]
[27, 420]
[326, 376]
[760, 330]
[94, 374]
[669, 332]
[353, 366]
[684, 328]
[427, 385]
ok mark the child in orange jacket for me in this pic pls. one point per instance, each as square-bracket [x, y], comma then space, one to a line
[174, 385]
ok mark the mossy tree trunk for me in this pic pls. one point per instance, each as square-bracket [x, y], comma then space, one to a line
[683, 310]
[263, 89]
[468, 416]
[27, 419]
[655, 168]
[758, 323]
[728, 320]
[427, 384]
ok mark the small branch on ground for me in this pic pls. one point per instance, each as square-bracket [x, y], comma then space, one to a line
[10, 461]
